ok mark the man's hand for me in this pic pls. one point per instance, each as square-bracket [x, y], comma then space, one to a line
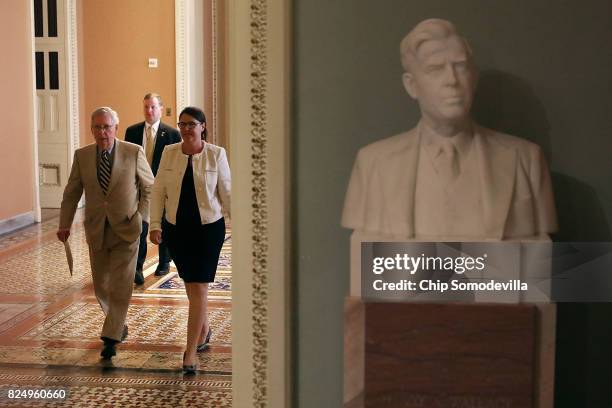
[155, 237]
[63, 234]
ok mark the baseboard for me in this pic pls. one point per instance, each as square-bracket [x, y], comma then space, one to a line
[16, 222]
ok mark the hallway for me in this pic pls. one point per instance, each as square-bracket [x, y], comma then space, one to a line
[50, 322]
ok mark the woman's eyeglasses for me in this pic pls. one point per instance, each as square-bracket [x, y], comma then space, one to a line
[188, 125]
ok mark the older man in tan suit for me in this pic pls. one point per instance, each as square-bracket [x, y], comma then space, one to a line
[116, 179]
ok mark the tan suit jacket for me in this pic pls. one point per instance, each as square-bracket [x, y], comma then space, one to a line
[126, 204]
[516, 193]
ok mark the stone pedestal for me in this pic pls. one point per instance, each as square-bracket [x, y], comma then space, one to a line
[448, 355]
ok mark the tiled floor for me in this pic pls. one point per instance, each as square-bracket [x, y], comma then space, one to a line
[50, 323]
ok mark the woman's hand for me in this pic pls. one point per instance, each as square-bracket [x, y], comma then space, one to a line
[155, 237]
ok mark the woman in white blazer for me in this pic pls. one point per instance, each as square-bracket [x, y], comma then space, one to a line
[193, 187]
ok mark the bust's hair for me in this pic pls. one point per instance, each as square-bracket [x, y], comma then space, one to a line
[428, 30]
[105, 110]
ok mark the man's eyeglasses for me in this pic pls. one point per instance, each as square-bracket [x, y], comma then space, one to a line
[188, 125]
[104, 128]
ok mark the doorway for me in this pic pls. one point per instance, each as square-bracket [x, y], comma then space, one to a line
[253, 29]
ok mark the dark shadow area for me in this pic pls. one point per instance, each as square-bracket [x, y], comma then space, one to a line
[507, 103]
[584, 331]
[579, 211]
[583, 355]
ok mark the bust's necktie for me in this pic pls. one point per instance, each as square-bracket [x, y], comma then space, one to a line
[150, 147]
[104, 172]
[447, 162]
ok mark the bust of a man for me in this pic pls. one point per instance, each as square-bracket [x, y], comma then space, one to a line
[448, 178]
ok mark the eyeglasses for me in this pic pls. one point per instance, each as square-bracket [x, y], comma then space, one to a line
[104, 128]
[188, 125]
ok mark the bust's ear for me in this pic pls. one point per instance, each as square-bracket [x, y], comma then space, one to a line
[410, 85]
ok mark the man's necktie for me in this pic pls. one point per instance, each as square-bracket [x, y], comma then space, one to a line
[104, 172]
[150, 146]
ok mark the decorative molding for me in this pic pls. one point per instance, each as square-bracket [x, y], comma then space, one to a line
[44, 168]
[258, 67]
[72, 70]
[181, 46]
[259, 181]
[16, 222]
[215, 76]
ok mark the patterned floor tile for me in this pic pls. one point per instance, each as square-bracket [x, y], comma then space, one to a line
[208, 361]
[154, 324]
[13, 313]
[134, 391]
[44, 270]
[27, 233]
[50, 320]
[222, 285]
[41, 355]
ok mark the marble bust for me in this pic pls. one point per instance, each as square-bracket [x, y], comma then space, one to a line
[448, 178]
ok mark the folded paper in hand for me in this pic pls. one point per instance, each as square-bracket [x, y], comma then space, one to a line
[68, 255]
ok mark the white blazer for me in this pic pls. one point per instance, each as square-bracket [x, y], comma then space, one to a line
[212, 181]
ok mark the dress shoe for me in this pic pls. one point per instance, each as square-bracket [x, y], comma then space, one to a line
[162, 269]
[139, 277]
[108, 351]
[204, 346]
[189, 369]
[125, 333]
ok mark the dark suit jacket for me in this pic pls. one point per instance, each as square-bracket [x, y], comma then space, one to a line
[166, 135]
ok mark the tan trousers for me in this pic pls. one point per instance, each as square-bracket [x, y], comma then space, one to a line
[112, 270]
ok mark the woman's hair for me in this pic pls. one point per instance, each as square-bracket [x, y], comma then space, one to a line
[197, 114]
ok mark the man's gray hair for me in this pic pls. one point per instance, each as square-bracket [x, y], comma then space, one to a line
[105, 110]
[427, 30]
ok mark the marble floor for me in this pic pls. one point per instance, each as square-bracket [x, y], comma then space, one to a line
[50, 323]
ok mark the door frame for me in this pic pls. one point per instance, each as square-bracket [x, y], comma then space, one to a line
[259, 124]
[67, 22]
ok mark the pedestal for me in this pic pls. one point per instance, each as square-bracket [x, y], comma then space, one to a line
[448, 355]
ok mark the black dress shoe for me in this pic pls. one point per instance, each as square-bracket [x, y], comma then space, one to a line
[204, 346]
[139, 277]
[161, 270]
[125, 333]
[108, 351]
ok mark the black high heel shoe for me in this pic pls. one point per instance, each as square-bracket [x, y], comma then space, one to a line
[204, 346]
[189, 369]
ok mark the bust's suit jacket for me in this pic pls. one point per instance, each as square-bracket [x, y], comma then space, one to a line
[166, 135]
[126, 204]
[517, 195]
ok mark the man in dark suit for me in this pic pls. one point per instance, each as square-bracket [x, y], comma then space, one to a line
[153, 136]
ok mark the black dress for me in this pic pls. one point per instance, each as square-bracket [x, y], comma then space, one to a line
[194, 247]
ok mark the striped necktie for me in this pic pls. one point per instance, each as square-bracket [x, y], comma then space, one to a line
[104, 171]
